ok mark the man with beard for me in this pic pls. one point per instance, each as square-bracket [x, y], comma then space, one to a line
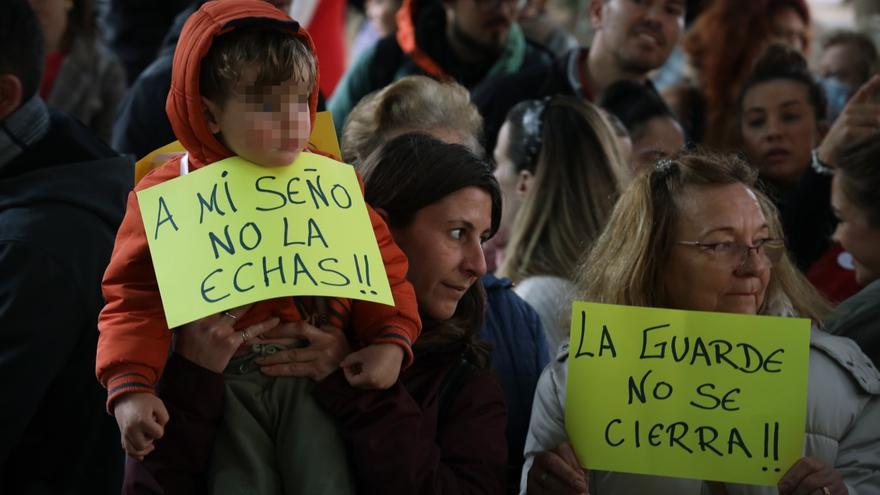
[632, 38]
[463, 40]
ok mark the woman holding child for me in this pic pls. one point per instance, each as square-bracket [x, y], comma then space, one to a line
[694, 233]
[441, 427]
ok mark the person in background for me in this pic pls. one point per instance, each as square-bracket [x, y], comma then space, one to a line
[560, 173]
[466, 41]
[694, 233]
[631, 39]
[412, 104]
[379, 23]
[850, 57]
[511, 327]
[134, 29]
[62, 197]
[781, 108]
[857, 208]
[82, 77]
[654, 132]
[722, 52]
[541, 26]
[847, 61]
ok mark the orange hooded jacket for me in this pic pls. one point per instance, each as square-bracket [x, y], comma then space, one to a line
[134, 339]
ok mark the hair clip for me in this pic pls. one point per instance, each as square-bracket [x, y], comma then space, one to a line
[533, 124]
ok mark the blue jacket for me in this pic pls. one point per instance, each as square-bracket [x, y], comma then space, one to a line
[519, 354]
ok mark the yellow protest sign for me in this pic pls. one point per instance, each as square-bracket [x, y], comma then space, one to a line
[233, 233]
[687, 394]
[323, 138]
[324, 134]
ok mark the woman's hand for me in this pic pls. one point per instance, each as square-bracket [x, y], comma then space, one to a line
[327, 347]
[211, 342]
[557, 471]
[860, 118]
[811, 476]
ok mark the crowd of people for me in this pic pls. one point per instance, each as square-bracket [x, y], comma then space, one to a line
[689, 158]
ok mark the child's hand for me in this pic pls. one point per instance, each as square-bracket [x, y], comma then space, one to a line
[373, 367]
[141, 418]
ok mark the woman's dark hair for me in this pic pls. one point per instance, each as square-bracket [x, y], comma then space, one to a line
[782, 62]
[411, 172]
[860, 176]
[634, 104]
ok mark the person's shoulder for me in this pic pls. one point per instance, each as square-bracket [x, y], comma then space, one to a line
[845, 356]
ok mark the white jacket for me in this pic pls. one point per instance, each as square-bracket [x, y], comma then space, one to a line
[842, 428]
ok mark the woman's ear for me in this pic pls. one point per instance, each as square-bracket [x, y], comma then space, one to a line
[212, 112]
[524, 183]
[10, 95]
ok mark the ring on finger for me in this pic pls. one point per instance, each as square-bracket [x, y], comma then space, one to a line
[230, 315]
[245, 336]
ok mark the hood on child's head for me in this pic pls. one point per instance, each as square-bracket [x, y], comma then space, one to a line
[184, 106]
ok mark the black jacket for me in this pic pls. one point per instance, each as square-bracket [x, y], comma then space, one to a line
[61, 202]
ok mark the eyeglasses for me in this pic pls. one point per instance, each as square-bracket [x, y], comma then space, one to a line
[734, 254]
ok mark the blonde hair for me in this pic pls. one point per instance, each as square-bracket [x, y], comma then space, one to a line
[578, 176]
[411, 104]
[626, 264]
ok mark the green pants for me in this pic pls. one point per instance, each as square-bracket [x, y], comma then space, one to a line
[274, 438]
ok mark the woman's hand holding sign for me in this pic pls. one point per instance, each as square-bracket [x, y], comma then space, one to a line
[557, 471]
[812, 476]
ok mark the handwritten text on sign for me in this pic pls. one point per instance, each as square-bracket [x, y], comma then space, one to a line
[687, 394]
[233, 233]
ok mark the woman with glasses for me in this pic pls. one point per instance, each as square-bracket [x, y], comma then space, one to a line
[693, 233]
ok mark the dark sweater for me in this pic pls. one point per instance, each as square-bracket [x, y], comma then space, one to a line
[61, 201]
[398, 445]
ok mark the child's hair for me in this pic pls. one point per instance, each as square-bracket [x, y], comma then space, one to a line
[278, 54]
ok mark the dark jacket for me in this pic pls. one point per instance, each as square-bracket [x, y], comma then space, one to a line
[61, 201]
[807, 218]
[420, 47]
[134, 29]
[495, 97]
[519, 354]
[141, 123]
[398, 444]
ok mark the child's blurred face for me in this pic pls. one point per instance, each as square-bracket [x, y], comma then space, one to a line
[267, 125]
